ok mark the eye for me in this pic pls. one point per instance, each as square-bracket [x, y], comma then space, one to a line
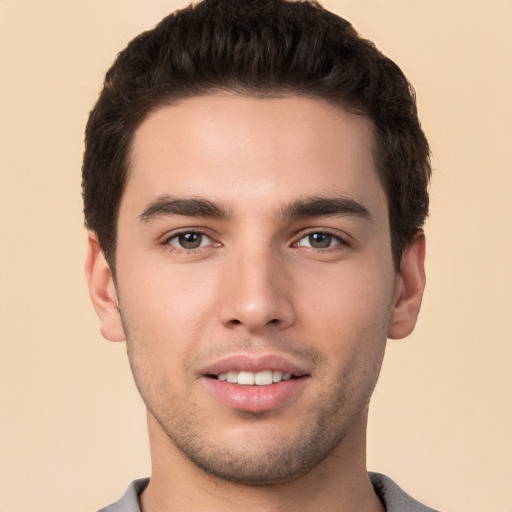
[319, 240]
[189, 240]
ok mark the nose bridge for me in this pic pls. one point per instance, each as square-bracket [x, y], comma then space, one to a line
[257, 294]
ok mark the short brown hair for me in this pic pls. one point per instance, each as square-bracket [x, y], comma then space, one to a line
[258, 48]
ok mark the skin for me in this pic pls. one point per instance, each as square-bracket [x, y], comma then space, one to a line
[276, 273]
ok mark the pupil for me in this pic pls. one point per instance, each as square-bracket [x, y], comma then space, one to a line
[320, 240]
[190, 240]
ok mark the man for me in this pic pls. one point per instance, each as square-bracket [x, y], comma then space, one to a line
[255, 184]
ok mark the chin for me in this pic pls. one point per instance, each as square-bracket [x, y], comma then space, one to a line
[254, 456]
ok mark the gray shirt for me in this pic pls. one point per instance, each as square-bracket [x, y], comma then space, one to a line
[392, 496]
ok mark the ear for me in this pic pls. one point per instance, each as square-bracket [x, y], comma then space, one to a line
[102, 290]
[409, 289]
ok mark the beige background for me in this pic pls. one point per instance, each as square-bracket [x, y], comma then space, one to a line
[72, 427]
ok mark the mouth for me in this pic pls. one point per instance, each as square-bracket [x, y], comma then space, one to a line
[256, 384]
[261, 378]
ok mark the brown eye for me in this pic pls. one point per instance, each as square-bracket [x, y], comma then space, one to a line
[189, 240]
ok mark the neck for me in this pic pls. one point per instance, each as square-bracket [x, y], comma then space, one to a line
[339, 483]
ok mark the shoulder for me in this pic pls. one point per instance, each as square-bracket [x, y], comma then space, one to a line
[394, 498]
[130, 499]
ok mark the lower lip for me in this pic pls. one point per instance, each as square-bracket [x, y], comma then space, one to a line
[256, 398]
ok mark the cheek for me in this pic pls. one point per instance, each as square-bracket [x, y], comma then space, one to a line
[166, 293]
[349, 312]
[165, 310]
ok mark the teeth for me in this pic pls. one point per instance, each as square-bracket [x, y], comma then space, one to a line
[246, 378]
[232, 377]
[277, 376]
[264, 378]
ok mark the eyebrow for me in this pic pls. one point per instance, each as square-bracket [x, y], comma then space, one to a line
[325, 207]
[167, 205]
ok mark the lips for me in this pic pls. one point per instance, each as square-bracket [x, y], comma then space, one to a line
[255, 384]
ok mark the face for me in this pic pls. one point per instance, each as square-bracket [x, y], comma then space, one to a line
[255, 280]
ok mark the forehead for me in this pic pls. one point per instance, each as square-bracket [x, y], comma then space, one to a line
[236, 148]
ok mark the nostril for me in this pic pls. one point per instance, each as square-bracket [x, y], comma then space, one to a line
[235, 321]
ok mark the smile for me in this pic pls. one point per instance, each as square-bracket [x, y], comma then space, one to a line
[261, 383]
[262, 378]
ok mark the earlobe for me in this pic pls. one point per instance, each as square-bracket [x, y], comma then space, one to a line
[409, 289]
[102, 290]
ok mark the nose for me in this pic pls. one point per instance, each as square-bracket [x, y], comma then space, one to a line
[257, 292]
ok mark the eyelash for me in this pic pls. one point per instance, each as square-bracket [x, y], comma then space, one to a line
[167, 241]
[340, 242]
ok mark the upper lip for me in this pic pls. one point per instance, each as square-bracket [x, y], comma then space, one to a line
[248, 363]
